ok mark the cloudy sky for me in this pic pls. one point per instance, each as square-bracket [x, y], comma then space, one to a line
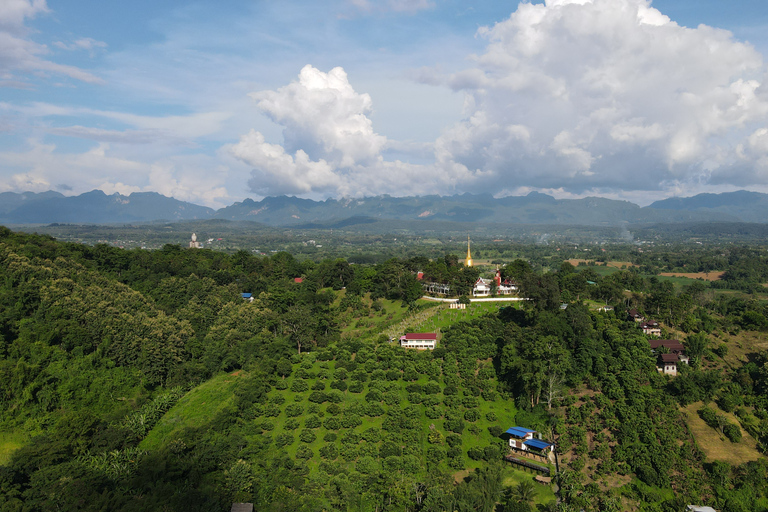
[213, 102]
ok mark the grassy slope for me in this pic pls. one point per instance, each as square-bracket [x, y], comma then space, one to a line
[195, 409]
[714, 444]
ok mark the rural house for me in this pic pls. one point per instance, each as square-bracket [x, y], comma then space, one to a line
[419, 340]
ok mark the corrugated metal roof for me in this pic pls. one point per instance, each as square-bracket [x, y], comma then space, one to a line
[519, 431]
[537, 443]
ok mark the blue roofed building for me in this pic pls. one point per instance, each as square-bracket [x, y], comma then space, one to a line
[522, 438]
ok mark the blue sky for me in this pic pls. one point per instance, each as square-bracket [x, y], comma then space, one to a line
[213, 102]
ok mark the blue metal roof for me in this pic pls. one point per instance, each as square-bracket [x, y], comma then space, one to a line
[519, 431]
[537, 443]
[247, 295]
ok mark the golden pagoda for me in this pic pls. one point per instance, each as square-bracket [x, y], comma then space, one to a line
[468, 263]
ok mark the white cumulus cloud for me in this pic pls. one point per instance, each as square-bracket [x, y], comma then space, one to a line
[607, 91]
[578, 96]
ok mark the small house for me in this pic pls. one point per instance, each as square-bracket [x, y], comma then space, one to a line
[419, 340]
[651, 328]
[667, 364]
[518, 436]
[247, 296]
[635, 315]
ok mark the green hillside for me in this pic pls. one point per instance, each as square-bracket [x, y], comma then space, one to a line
[142, 380]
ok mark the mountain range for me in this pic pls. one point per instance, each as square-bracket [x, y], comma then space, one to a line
[96, 207]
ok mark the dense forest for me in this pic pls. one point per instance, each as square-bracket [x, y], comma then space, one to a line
[142, 380]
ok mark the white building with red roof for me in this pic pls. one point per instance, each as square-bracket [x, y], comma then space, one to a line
[419, 340]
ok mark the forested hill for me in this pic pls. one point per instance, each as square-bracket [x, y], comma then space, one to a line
[142, 380]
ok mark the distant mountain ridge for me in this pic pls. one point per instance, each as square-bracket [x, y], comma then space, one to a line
[96, 207]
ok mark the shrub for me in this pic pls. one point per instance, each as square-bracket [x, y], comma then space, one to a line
[304, 452]
[456, 462]
[329, 452]
[294, 410]
[312, 422]
[299, 386]
[732, 432]
[307, 436]
[471, 415]
[392, 464]
[373, 395]
[291, 424]
[281, 385]
[333, 409]
[371, 435]
[470, 402]
[283, 440]
[491, 416]
[492, 452]
[317, 397]
[351, 421]
[335, 396]
[475, 453]
[435, 437]
[366, 465]
[415, 398]
[330, 437]
[374, 410]
[391, 398]
[318, 385]
[356, 387]
[453, 440]
[332, 423]
[431, 388]
[455, 425]
[339, 384]
[709, 416]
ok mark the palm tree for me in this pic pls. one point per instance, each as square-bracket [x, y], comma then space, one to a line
[524, 491]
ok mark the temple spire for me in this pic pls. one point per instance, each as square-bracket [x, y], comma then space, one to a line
[468, 263]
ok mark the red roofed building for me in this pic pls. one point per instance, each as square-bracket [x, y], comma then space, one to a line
[419, 340]
[666, 363]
